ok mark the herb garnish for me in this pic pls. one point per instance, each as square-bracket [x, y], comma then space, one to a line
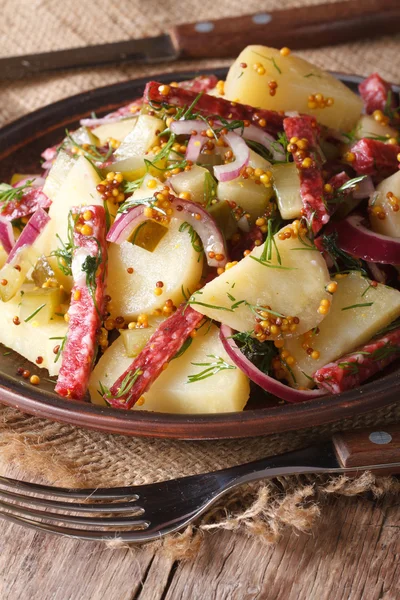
[61, 346]
[338, 255]
[210, 189]
[89, 151]
[8, 193]
[35, 312]
[90, 266]
[65, 251]
[357, 305]
[195, 240]
[184, 347]
[261, 354]
[213, 367]
[271, 59]
[124, 388]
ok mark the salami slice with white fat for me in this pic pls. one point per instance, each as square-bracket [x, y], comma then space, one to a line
[350, 371]
[311, 180]
[166, 341]
[87, 300]
[269, 120]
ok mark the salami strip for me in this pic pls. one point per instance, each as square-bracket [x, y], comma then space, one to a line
[202, 83]
[311, 180]
[148, 365]
[350, 371]
[87, 300]
[210, 105]
[375, 158]
[375, 93]
[32, 199]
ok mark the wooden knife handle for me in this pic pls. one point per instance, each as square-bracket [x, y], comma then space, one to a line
[301, 27]
[375, 446]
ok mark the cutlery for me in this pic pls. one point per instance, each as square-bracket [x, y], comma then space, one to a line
[147, 512]
[299, 27]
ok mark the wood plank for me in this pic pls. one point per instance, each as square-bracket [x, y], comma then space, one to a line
[352, 554]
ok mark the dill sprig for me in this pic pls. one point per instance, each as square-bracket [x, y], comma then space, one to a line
[361, 305]
[90, 267]
[35, 312]
[195, 240]
[261, 354]
[339, 195]
[125, 387]
[89, 151]
[338, 255]
[210, 189]
[8, 193]
[60, 346]
[65, 251]
[213, 367]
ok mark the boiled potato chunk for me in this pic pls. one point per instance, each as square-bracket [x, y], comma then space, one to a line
[58, 174]
[3, 256]
[251, 196]
[78, 189]
[174, 262]
[297, 79]
[295, 290]
[390, 225]
[192, 181]
[344, 330]
[226, 391]
[29, 339]
[287, 189]
[41, 305]
[142, 137]
[117, 131]
[368, 127]
[258, 162]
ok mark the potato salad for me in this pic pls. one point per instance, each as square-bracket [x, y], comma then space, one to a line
[209, 238]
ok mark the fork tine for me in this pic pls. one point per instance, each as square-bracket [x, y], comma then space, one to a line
[46, 490]
[82, 534]
[62, 518]
[74, 506]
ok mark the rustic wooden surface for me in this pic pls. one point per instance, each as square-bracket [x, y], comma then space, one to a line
[353, 553]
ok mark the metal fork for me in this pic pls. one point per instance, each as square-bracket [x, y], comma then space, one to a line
[147, 512]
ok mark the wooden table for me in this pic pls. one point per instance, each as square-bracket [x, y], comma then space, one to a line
[352, 554]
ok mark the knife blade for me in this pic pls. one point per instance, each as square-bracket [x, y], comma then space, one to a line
[299, 27]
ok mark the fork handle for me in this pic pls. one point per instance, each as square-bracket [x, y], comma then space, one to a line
[371, 446]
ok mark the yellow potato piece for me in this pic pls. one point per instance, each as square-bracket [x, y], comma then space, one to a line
[390, 225]
[226, 391]
[174, 262]
[296, 290]
[296, 80]
[344, 330]
[31, 339]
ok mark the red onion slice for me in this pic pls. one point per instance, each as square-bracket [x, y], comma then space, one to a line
[29, 235]
[187, 127]
[265, 382]
[256, 134]
[242, 156]
[194, 147]
[205, 226]
[6, 235]
[356, 239]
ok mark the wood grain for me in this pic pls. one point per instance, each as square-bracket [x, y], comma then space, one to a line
[299, 27]
[352, 554]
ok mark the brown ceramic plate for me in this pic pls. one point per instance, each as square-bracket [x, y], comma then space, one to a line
[21, 143]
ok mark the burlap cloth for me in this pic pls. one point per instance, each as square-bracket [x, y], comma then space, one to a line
[67, 455]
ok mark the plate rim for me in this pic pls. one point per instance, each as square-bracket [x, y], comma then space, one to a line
[248, 423]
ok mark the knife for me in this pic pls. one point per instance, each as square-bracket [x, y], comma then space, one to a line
[300, 27]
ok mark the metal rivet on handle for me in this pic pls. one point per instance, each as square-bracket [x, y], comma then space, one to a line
[262, 18]
[204, 27]
[380, 437]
